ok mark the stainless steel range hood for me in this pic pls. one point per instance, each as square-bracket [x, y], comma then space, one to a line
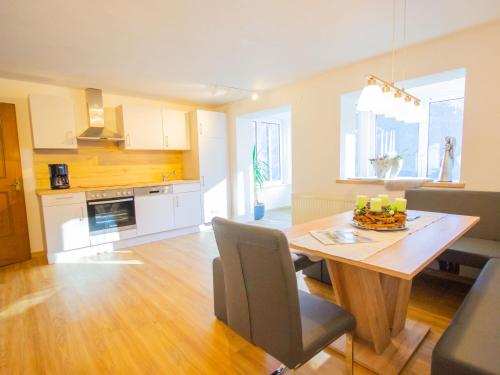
[96, 130]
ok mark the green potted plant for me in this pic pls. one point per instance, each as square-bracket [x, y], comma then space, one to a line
[259, 168]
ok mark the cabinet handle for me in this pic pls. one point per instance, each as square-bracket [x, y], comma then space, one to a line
[81, 215]
[203, 181]
[201, 128]
[128, 139]
[70, 137]
[177, 201]
[166, 141]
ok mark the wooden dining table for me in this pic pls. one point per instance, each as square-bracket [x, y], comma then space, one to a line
[376, 290]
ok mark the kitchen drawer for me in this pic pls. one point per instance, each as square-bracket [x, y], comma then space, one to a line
[63, 199]
[186, 188]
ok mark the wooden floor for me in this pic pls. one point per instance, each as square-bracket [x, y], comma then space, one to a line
[148, 310]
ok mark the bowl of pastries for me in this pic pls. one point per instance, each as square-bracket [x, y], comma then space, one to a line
[379, 214]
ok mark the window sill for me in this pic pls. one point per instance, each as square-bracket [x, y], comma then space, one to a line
[375, 181]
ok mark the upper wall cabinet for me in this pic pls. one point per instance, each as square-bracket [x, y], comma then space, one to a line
[53, 122]
[175, 130]
[142, 127]
[153, 128]
[212, 124]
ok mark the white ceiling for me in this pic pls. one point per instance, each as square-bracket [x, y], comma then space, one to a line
[180, 48]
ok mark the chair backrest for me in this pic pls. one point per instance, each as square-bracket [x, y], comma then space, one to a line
[261, 287]
[485, 204]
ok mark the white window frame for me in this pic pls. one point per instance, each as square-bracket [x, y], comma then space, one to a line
[281, 143]
[367, 127]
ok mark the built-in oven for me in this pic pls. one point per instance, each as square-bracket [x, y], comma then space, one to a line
[111, 215]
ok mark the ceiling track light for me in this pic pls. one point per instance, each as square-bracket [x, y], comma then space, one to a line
[227, 89]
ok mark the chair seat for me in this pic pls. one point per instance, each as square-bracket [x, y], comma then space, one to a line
[321, 320]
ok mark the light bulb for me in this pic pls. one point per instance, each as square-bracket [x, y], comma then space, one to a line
[370, 97]
[255, 96]
[385, 102]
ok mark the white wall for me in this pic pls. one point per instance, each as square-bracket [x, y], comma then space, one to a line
[315, 104]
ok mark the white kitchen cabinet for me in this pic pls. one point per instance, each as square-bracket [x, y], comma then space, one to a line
[142, 127]
[213, 173]
[175, 130]
[187, 209]
[53, 122]
[212, 124]
[208, 161]
[154, 213]
[66, 222]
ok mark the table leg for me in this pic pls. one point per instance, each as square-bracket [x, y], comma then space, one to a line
[384, 338]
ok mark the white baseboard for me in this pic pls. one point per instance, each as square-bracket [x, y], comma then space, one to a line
[73, 255]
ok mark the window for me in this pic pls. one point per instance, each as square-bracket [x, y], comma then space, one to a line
[420, 145]
[268, 143]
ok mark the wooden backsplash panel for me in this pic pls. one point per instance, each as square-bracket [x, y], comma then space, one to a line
[106, 164]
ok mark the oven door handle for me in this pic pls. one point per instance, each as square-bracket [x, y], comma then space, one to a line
[110, 201]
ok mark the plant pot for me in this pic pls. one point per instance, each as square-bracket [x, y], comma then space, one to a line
[381, 167]
[396, 166]
[259, 210]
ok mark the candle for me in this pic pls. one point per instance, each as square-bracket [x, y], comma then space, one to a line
[385, 199]
[400, 204]
[361, 201]
[376, 204]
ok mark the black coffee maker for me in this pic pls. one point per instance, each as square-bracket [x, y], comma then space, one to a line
[59, 178]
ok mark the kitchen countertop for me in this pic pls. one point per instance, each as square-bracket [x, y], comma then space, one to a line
[78, 189]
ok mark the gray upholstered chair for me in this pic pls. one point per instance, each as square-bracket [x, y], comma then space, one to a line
[263, 302]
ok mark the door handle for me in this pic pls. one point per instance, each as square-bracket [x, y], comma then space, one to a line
[17, 184]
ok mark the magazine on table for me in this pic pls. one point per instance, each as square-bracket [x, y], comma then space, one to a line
[335, 236]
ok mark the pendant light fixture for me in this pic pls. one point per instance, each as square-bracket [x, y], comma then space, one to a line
[384, 98]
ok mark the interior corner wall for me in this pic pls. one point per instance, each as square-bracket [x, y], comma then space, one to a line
[315, 104]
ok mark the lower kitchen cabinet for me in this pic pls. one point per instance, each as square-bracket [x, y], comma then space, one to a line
[66, 222]
[187, 209]
[154, 213]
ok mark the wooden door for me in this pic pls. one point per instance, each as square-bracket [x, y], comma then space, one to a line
[14, 240]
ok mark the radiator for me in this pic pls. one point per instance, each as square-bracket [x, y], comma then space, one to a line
[306, 207]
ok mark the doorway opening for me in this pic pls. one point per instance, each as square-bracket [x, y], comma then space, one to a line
[264, 167]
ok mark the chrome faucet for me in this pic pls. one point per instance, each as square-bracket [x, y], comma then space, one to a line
[166, 176]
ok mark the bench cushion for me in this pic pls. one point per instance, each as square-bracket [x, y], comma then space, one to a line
[473, 252]
[470, 344]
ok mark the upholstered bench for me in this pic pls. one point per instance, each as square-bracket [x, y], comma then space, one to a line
[482, 242]
[471, 343]
[299, 261]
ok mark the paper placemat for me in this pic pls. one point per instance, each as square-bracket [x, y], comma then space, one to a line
[360, 251]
